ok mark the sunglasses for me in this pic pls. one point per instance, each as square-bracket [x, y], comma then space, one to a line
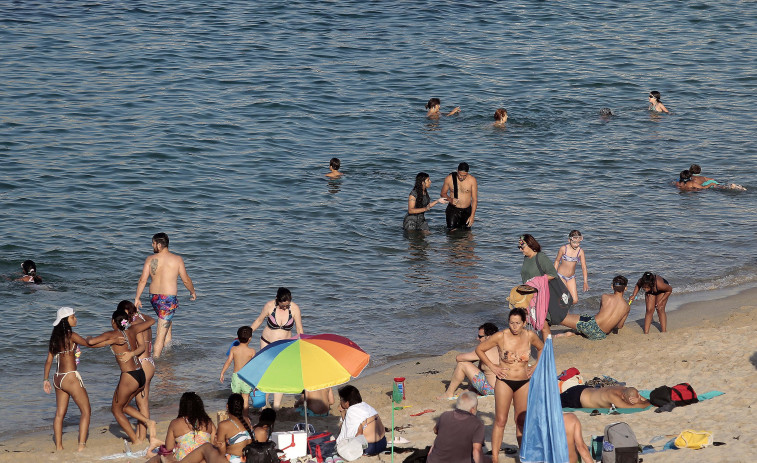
[480, 337]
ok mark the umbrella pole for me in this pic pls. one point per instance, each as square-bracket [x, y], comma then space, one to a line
[306, 417]
[392, 431]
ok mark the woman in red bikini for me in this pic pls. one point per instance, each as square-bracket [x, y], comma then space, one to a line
[513, 374]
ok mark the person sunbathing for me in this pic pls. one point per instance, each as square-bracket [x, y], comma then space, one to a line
[583, 396]
[613, 311]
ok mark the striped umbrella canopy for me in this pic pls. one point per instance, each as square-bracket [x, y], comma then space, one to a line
[307, 362]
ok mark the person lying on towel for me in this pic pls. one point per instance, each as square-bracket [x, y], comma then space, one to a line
[583, 396]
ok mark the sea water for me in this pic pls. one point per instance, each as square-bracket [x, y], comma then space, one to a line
[215, 123]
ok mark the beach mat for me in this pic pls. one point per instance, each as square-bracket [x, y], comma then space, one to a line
[644, 393]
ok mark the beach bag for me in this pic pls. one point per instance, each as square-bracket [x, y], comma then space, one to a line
[619, 444]
[683, 394]
[575, 380]
[352, 448]
[693, 439]
[560, 299]
[261, 452]
[321, 446]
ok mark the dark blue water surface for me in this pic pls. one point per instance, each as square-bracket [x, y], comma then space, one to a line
[215, 123]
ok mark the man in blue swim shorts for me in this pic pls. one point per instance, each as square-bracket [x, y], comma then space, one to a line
[613, 311]
[163, 268]
[481, 379]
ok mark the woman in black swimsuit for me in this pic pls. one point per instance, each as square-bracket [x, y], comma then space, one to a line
[513, 373]
[126, 346]
[280, 316]
[657, 291]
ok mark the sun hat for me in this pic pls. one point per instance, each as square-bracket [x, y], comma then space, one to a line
[63, 312]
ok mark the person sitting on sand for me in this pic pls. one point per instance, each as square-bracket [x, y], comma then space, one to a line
[29, 269]
[480, 377]
[433, 106]
[500, 117]
[359, 418]
[613, 311]
[319, 402]
[655, 103]
[189, 430]
[583, 396]
[459, 433]
[334, 165]
[234, 433]
[657, 291]
[240, 355]
[576, 444]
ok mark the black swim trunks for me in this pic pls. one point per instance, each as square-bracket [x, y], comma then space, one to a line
[457, 217]
[572, 397]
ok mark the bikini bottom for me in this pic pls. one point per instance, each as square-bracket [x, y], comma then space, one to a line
[515, 384]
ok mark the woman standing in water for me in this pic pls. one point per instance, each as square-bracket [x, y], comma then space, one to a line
[145, 360]
[657, 291]
[280, 316]
[568, 258]
[655, 103]
[418, 203]
[513, 374]
[124, 343]
[64, 347]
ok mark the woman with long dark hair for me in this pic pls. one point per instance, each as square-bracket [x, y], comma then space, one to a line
[235, 432]
[657, 290]
[125, 344]
[418, 203]
[64, 347]
[189, 430]
[29, 269]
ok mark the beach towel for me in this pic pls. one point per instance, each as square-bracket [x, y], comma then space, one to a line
[644, 393]
[541, 283]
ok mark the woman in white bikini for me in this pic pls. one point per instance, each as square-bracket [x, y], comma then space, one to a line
[513, 374]
[280, 316]
[64, 347]
[568, 257]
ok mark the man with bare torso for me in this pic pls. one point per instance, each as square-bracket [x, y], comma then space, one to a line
[613, 311]
[480, 377]
[163, 268]
[583, 396]
[461, 190]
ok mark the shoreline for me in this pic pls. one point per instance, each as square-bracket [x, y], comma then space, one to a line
[687, 353]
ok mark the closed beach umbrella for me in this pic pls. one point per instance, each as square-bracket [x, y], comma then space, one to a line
[544, 439]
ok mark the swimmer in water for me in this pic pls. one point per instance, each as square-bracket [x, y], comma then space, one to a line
[685, 183]
[29, 268]
[706, 182]
[655, 104]
[334, 165]
[433, 106]
[500, 117]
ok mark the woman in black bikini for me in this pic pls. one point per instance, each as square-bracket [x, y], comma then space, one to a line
[513, 373]
[125, 344]
[145, 360]
[64, 346]
[657, 291]
[280, 316]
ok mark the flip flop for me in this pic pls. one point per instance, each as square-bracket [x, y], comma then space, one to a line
[428, 410]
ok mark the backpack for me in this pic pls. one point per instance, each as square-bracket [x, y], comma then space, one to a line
[679, 395]
[619, 444]
[261, 452]
[321, 446]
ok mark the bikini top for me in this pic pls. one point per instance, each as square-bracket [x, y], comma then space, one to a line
[128, 345]
[513, 357]
[274, 325]
[241, 436]
[75, 349]
[567, 258]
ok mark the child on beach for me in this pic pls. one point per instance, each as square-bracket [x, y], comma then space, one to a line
[64, 347]
[334, 165]
[565, 263]
[657, 291]
[240, 355]
[433, 106]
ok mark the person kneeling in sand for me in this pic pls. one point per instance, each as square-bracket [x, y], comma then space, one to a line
[479, 376]
[583, 396]
[613, 311]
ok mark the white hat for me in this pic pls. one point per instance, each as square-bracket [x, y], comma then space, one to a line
[63, 312]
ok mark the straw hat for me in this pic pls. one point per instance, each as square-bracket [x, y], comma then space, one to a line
[520, 296]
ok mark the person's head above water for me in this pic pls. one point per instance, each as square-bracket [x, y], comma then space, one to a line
[606, 112]
[500, 115]
[654, 94]
[695, 169]
[684, 176]
[29, 267]
[433, 102]
[335, 163]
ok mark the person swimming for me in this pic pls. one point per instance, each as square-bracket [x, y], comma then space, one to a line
[500, 117]
[29, 268]
[707, 182]
[655, 103]
[433, 106]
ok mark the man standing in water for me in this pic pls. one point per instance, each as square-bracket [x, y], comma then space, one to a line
[163, 267]
[461, 190]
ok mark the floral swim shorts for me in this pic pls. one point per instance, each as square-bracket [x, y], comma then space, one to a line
[588, 327]
[481, 384]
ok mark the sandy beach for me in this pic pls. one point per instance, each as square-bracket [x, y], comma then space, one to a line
[709, 344]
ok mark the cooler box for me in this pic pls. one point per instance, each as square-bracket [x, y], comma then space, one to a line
[294, 444]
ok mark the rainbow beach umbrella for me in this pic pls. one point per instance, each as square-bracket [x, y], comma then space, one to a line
[309, 362]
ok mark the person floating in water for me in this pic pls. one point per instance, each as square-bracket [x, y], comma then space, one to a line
[163, 268]
[334, 165]
[29, 268]
[687, 182]
[500, 117]
[461, 190]
[433, 106]
[606, 113]
[655, 103]
[707, 182]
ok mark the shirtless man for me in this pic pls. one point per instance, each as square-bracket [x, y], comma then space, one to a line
[583, 396]
[433, 106]
[613, 311]
[576, 444]
[461, 190]
[479, 376]
[163, 267]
